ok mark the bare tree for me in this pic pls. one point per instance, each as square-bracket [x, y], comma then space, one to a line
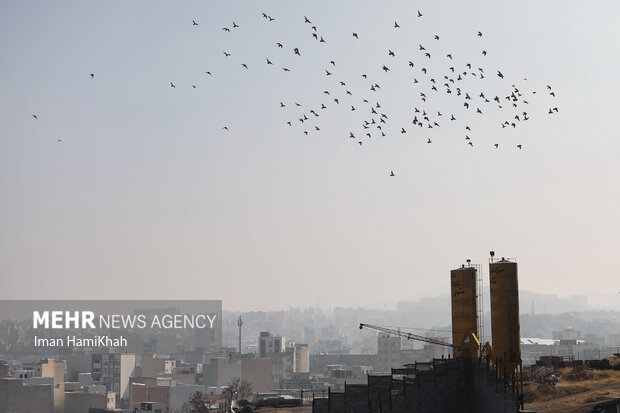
[198, 403]
[237, 389]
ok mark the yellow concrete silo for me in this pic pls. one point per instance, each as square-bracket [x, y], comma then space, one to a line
[464, 308]
[505, 328]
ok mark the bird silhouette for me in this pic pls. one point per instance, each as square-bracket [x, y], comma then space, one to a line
[235, 25]
[419, 14]
[92, 75]
[172, 85]
[355, 35]
[226, 29]
[35, 116]
[194, 23]
[396, 25]
[307, 20]
[280, 45]
[296, 50]
[244, 65]
[285, 69]
[226, 128]
[269, 62]
[327, 72]
[226, 54]
[392, 173]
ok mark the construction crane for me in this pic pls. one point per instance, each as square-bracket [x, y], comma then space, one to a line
[469, 347]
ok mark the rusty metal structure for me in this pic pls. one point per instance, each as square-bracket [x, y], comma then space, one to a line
[505, 326]
[464, 293]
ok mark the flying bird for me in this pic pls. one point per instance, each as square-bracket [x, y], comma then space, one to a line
[396, 25]
[307, 20]
[419, 14]
[235, 25]
[392, 173]
[194, 23]
[355, 35]
[172, 85]
[244, 65]
[35, 116]
[92, 75]
[225, 128]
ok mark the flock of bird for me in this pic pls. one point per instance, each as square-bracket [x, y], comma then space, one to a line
[464, 85]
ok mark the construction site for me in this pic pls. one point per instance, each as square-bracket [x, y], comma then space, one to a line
[476, 378]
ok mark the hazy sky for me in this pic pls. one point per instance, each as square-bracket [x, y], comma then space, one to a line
[146, 196]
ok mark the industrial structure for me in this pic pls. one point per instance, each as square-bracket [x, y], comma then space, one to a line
[464, 292]
[506, 333]
[480, 378]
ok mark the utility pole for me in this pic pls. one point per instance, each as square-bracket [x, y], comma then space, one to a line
[239, 323]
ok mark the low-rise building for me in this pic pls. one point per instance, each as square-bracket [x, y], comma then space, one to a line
[26, 395]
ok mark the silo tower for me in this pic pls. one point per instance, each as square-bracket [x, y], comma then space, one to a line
[505, 327]
[463, 286]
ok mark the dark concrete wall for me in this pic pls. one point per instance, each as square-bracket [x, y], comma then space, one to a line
[452, 385]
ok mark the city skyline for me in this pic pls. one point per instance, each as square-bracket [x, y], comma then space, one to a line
[118, 179]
